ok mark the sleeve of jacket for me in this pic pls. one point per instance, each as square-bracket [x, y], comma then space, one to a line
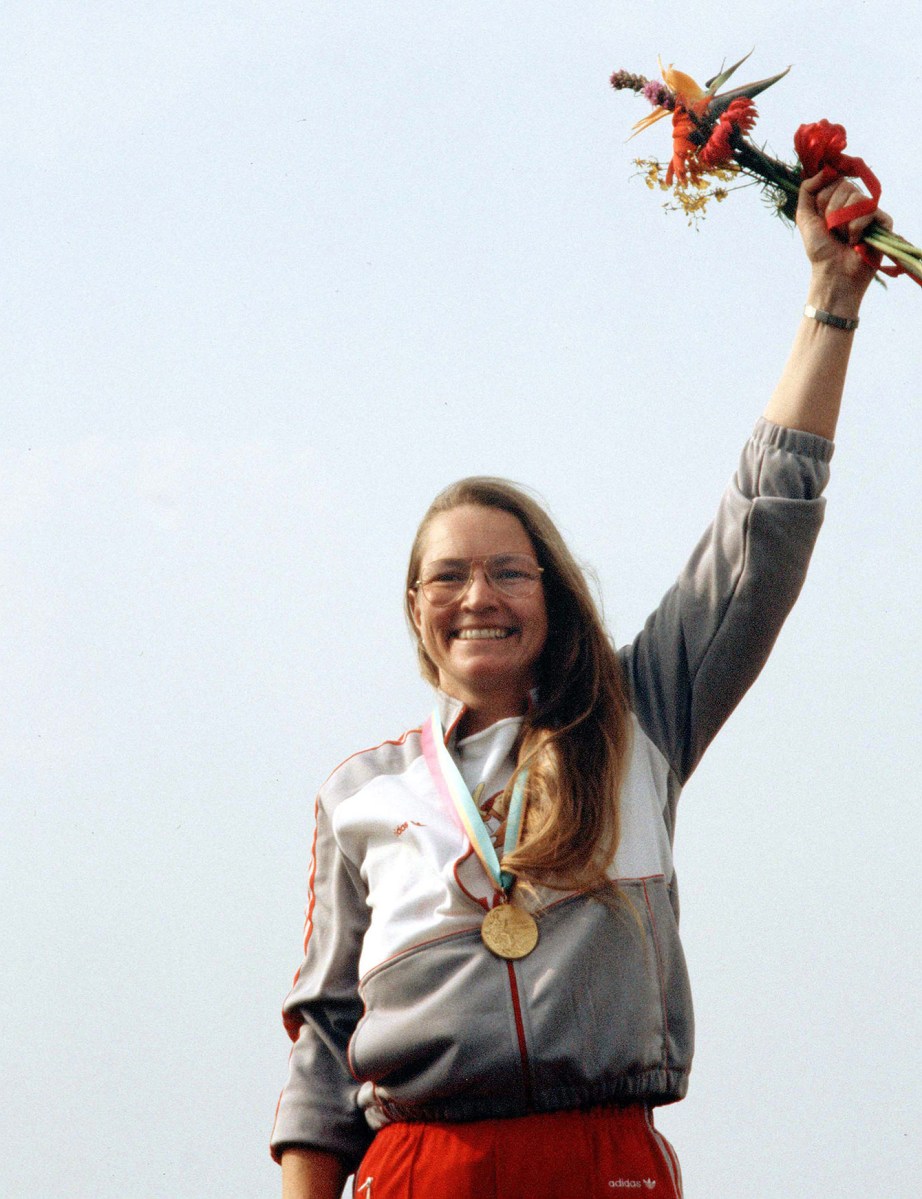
[705, 644]
[317, 1108]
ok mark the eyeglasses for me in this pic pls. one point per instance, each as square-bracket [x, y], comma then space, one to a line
[447, 579]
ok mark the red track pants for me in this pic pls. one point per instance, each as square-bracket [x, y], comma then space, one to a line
[613, 1152]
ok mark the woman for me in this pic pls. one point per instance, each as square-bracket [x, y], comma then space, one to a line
[494, 996]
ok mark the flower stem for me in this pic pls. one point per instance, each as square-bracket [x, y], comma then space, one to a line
[911, 262]
[769, 170]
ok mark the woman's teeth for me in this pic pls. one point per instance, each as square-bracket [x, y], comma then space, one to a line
[483, 634]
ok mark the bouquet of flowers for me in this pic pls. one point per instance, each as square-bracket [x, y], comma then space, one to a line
[711, 149]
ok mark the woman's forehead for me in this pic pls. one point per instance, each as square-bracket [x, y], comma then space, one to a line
[473, 531]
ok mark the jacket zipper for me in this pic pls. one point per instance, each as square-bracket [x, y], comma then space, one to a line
[520, 1033]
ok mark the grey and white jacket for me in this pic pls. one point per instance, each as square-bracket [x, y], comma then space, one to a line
[399, 1012]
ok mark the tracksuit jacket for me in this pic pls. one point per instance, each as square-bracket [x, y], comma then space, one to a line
[399, 1011]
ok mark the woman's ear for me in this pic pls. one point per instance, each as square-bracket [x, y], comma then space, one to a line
[413, 597]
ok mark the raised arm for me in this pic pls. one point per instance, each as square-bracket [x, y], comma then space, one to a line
[708, 639]
[809, 391]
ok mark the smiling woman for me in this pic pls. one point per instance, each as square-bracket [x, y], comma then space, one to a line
[539, 648]
[485, 640]
[492, 966]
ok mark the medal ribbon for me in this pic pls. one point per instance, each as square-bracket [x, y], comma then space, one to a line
[453, 788]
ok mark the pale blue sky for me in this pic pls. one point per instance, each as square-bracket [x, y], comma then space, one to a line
[273, 275]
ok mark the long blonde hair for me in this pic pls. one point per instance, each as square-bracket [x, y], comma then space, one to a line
[577, 734]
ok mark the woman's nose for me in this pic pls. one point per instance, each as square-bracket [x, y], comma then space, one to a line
[479, 589]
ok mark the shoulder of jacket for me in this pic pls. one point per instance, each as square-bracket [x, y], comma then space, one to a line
[388, 757]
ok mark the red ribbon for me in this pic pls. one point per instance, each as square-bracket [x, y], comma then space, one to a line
[819, 147]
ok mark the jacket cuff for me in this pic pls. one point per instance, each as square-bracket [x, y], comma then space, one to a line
[784, 463]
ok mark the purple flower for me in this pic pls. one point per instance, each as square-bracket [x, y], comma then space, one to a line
[622, 80]
[658, 94]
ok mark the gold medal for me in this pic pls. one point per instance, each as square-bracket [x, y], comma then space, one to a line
[509, 932]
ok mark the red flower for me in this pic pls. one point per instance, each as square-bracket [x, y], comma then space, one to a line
[683, 126]
[742, 113]
[739, 117]
[820, 145]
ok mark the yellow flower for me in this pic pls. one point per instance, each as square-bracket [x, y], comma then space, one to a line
[683, 85]
[687, 92]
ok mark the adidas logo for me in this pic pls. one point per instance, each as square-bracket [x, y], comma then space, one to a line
[648, 1183]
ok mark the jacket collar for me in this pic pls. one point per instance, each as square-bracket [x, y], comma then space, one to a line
[450, 712]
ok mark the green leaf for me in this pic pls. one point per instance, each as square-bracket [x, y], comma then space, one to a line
[721, 103]
[719, 80]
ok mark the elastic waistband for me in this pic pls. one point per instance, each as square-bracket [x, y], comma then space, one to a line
[600, 1151]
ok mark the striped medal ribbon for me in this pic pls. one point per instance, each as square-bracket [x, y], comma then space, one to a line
[508, 930]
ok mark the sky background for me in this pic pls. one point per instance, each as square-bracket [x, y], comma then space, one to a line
[274, 274]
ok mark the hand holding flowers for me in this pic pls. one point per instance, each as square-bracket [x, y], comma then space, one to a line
[840, 276]
[826, 207]
[710, 148]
